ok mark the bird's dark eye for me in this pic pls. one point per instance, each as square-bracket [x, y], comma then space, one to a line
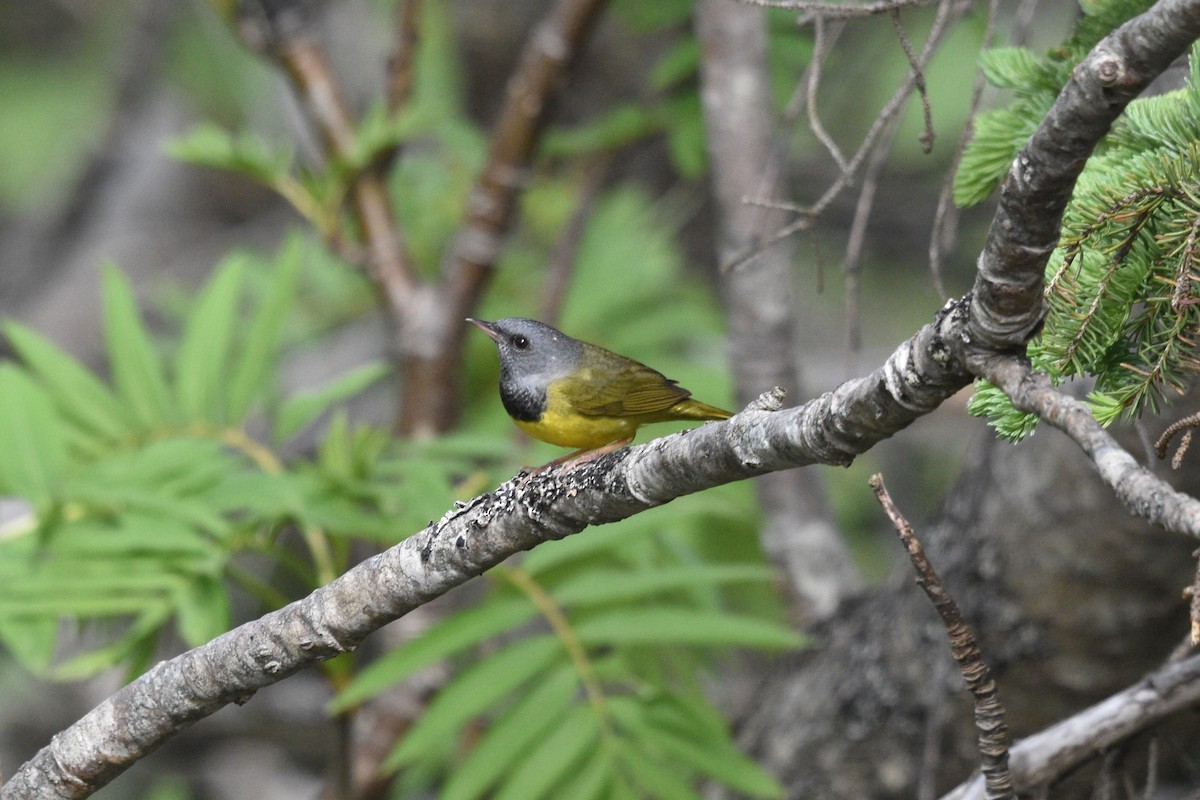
[520, 342]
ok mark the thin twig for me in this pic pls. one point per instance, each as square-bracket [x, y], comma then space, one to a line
[852, 261]
[400, 74]
[1137, 488]
[945, 219]
[821, 50]
[403, 58]
[949, 11]
[304, 63]
[918, 73]
[989, 712]
[1185, 426]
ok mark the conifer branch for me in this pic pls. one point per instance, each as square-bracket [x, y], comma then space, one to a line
[1007, 308]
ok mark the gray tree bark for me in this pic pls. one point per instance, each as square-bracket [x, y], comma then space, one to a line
[799, 535]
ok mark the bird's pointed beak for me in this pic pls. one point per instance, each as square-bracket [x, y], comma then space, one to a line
[487, 328]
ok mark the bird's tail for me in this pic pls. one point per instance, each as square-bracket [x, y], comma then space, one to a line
[694, 409]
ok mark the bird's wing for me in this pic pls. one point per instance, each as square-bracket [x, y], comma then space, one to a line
[631, 390]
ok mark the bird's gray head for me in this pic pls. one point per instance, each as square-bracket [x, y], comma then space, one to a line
[532, 354]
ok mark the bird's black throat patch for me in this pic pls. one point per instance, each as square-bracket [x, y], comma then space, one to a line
[521, 402]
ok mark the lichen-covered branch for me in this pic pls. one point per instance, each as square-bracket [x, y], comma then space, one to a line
[831, 429]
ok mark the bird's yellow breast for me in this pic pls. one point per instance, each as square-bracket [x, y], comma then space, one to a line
[560, 424]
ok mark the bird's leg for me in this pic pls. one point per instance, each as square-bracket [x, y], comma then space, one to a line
[581, 456]
[584, 456]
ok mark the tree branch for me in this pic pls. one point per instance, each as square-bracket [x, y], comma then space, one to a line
[306, 68]
[990, 716]
[1138, 489]
[1040, 759]
[467, 541]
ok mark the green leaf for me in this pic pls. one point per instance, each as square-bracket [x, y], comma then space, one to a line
[1009, 67]
[599, 586]
[301, 410]
[71, 587]
[211, 146]
[30, 640]
[33, 454]
[81, 396]
[678, 64]
[381, 130]
[594, 779]
[672, 728]
[449, 637]
[580, 549]
[685, 626]
[136, 367]
[537, 775]
[510, 738]
[473, 691]
[658, 780]
[253, 364]
[201, 365]
[202, 610]
[686, 136]
[617, 128]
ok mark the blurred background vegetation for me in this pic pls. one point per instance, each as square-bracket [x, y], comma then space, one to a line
[197, 408]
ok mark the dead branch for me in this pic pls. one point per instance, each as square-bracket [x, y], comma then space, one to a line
[989, 712]
[1039, 760]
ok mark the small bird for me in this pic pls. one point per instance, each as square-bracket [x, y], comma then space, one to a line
[574, 394]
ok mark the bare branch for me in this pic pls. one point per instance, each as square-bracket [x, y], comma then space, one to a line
[918, 74]
[1041, 759]
[945, 220]
[1138, 489]
[390, 263]
[989, 713]
[400, 66]
[949, 11]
